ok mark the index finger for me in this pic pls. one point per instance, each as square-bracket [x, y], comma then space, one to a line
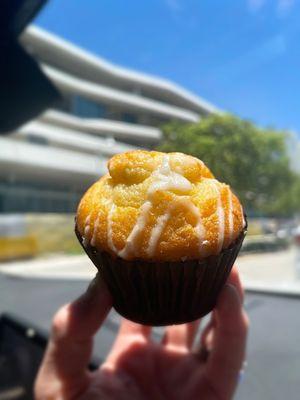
[70, 345]
[234, 279]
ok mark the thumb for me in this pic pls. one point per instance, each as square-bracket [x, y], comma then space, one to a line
[70, 345]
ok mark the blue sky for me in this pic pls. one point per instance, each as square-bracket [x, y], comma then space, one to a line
[241, 55]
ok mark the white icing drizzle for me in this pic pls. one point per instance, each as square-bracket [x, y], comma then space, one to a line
[156, 232]
[137, 229]
[243, 218]
[163, 178]
[220, 214]
[230, 215]
[162, 221]
[110, 241]
[93, 240]
[199, 228]
[87, 230]
[87, 220]
[166, 179]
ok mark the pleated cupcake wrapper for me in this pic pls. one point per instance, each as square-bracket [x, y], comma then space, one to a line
[164, 293]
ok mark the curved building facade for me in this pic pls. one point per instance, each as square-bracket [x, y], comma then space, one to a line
[104, 109]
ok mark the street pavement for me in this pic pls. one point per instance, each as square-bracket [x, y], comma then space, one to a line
[273, 370]
[268, 272]
[271, 272]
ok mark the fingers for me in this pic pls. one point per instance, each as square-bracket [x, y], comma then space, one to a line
[131, 328]
[184, 335]
[234, 279]
[129, 332]
[181, 336]
[207, 336]
[70, 345]
[206, 340]
[230, 334]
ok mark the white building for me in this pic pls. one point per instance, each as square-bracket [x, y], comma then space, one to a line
[105, 109]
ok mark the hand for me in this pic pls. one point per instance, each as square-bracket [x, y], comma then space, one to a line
[138, 367]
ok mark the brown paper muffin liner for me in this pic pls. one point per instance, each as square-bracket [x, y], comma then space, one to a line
[164, 293]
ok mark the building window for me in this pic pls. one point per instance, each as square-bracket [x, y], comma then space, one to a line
[83, 107]
[37, 140]
[27, 198]
[64, 103]
[130, 118]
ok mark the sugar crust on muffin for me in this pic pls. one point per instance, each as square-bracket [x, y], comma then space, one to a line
[160, 207]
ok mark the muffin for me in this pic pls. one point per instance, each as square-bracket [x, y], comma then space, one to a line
[163, 232]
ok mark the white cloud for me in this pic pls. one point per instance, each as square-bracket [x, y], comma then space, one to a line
[262, 54]
[255, 5]
[284, 7]
[174, 5]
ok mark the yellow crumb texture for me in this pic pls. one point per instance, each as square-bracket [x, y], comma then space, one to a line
[159, 207]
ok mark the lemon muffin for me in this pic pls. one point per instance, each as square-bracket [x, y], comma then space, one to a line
[163, 232]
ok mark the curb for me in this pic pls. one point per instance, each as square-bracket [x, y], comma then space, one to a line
[289, 289]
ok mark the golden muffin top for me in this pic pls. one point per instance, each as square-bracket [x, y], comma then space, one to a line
[159, 207]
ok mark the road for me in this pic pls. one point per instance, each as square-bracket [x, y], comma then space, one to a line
[273, 272]
[273, 370]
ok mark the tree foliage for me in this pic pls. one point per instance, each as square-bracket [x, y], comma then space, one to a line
[252, 160]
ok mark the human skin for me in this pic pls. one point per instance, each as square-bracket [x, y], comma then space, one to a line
[137, 367]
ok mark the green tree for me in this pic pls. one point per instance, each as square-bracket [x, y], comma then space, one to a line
[252, 160]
